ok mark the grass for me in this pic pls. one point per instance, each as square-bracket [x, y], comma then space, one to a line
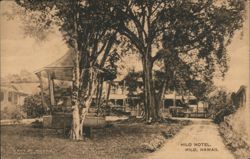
[121, 141]
[233, 142]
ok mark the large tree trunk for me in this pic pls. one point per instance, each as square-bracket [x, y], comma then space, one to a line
[160, 98]
[99, 100]
[149, 92]
[79, 112]
[75, 130]
[92, 87]
[84, 75]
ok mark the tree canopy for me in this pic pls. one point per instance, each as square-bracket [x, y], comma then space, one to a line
[195, 33]
[189, 36]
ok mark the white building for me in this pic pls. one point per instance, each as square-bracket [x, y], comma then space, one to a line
[12, 95]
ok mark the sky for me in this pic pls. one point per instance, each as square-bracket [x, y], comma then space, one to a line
[19, 52]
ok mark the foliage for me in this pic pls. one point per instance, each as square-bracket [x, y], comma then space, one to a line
[197, 32]
[192, 33]
[203, 30]
[12, 114]
[220, 105]
[181, 26]
[23, 77]
[132, 82]
[218, 100]
[234, 141]
[111, 67]
[33, 106]
[153, 145]
[124, 141]
[200, 89]
[86, 29]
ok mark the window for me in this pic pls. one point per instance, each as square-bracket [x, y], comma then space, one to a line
[112, 101]
[10, 96]
[93, 103]
[133, 102]
[112, 90]
[15, 98]
[168, 103]
[192, 102]
[119, 102]
[2, 96]
[178, 103]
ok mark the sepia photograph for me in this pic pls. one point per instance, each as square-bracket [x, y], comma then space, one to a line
[125, 79]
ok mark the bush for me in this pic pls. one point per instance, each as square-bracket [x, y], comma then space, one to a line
[33, 106]
[154, 144]
[219, 117]
[5, 113]
[220, 105]
[18, 115]
[12, 114]
[37, 124]
[234, 142]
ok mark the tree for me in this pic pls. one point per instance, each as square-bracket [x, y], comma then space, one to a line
[201, 89]
[27, 76]
[23, 77]
[196, 31]
[132, 81]
[185, 78]
[86, 29]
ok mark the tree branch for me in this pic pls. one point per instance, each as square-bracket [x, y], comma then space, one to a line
[161, 54]
[134, 39]
[107, 50]
[137, 23]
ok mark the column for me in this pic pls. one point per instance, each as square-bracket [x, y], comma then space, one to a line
[51, 88]
[42, 90]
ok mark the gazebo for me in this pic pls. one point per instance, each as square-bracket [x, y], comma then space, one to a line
[61, 69]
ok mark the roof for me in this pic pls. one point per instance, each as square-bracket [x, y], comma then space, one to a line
[241, 89]
[66, 61]
[171, 96]
[118, 96]
[24, 88]
[9, 88]
[61, 69]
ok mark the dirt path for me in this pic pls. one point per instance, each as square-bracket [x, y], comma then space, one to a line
[192, 141]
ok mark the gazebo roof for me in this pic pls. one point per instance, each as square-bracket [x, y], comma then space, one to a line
[66, 61]
[61, 69]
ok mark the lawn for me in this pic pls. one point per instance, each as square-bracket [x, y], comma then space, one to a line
[123, 140]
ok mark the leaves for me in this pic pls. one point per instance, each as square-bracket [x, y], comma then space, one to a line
[202, 26]
[33, 106]
[196, 34]
[132, 81]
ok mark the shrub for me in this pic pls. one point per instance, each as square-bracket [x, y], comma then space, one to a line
[12, 114]
[154, 144]
[33, 106]
[219, 117]
[220, 105]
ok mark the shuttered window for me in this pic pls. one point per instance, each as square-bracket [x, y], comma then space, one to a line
[1, 96]
[10, 96]
[15, 98]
